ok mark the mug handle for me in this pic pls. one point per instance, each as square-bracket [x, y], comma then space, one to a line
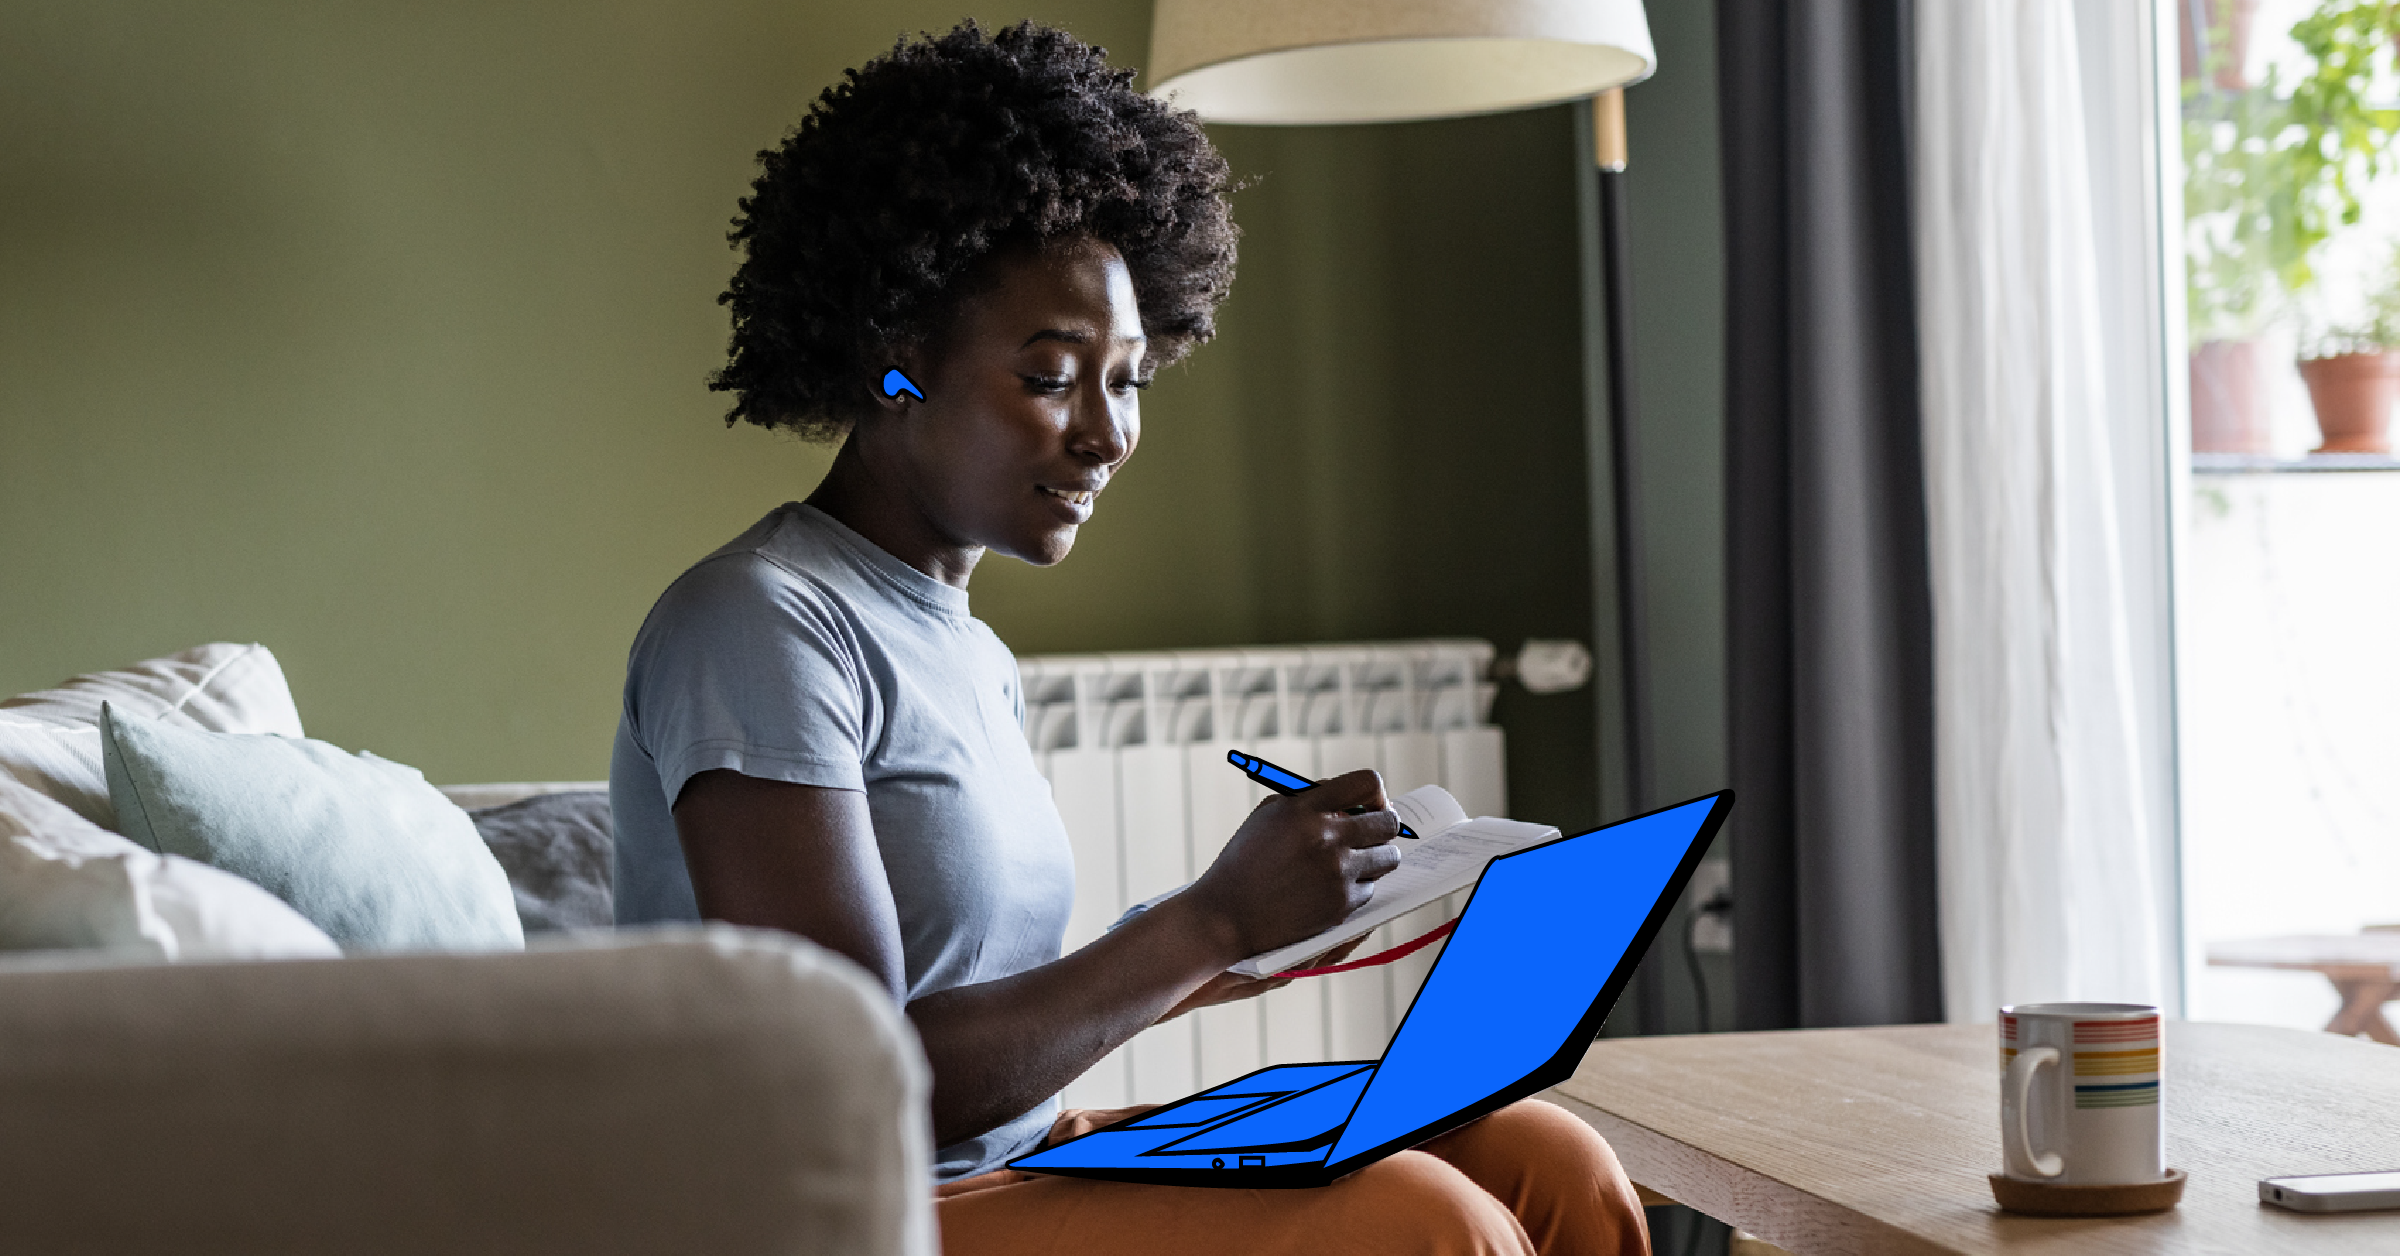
[2016, 1144]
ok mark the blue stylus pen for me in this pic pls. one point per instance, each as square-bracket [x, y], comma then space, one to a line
[1281, 780]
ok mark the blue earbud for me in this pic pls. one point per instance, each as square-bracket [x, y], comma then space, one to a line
[894, 384]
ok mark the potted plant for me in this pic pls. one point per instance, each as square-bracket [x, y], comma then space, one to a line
[2339, 142]
[2268, 178]
[2353, 373]
[2227, 33]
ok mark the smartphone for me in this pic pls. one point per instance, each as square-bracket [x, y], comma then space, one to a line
[2333, 1192]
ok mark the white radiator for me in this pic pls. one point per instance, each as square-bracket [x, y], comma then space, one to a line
[1134, 748]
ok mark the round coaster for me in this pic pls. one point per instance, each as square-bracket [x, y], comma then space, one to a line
[2051, 1199]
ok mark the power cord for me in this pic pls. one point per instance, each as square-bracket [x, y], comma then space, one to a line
[1718, 904]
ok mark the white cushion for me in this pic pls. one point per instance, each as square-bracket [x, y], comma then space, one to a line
[216, 688]
[61, 762]
[50, 739]
[66, 883]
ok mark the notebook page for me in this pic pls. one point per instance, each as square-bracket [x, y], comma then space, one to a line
[1428, 810]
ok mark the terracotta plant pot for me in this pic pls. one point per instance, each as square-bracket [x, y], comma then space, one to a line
[2353, 395]
[2228, 414]
[2243, 15]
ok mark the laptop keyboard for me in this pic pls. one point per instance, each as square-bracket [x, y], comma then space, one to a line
[1306, 1121]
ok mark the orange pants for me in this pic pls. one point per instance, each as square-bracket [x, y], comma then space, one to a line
[1528, 1178]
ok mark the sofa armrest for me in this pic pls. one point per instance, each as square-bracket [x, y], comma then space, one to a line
[702, 1090]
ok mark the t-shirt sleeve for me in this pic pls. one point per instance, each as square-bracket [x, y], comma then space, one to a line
[743, 665]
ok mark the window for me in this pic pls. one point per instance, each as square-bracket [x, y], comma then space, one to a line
[2288, 599]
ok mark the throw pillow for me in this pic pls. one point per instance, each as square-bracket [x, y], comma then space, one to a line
[360, 845]
[60, 762]
[558, 850]
[68, 884]
[220, 687]
[50, 739]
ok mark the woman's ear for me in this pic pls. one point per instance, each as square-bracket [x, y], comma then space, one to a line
[894, 388]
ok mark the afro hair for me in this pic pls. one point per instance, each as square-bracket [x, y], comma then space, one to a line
[863, 223]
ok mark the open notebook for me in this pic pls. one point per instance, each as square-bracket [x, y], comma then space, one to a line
[1546, 943]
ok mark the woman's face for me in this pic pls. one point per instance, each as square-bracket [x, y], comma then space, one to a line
[1031, 402]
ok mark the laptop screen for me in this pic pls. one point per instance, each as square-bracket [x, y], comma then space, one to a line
[1545, 931]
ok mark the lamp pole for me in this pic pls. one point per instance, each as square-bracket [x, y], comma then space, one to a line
[1625, 492]
[1624, 447]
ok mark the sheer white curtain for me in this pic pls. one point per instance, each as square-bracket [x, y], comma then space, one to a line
[2039, 326]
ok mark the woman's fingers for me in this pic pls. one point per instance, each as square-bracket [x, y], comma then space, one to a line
[1373, 863]
[1372, 829]
[1337, 954]
[1368, 834]
[1225, 988]
[1367, 818]
[1362, 789]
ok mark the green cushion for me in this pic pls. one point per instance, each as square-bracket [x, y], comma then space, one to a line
[361, 846]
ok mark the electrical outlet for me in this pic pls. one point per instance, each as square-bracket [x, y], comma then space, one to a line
[1711, 896]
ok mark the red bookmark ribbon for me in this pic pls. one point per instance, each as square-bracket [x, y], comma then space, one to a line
[1380, 957]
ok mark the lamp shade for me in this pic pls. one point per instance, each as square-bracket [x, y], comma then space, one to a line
[1315, 61]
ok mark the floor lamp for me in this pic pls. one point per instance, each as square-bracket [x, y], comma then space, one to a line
[1326, 61]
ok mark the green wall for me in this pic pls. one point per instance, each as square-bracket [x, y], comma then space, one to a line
[1676, 225]
[1678, 269]
[377, 333]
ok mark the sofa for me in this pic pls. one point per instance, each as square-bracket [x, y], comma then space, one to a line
[700, 1089]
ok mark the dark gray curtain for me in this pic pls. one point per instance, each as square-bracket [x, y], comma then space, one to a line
[1830, 631]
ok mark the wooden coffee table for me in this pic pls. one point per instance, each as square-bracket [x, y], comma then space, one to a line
[1878, 1140]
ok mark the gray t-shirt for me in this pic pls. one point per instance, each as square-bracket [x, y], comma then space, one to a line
[801, 652]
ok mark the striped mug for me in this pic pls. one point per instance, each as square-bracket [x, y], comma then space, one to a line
[2079, 1093]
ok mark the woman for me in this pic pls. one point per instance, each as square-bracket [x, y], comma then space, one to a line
[965, 264]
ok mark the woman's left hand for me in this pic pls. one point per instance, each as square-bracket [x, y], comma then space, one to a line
[1230, 987]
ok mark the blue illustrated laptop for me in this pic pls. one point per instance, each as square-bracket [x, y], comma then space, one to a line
[1547, 942]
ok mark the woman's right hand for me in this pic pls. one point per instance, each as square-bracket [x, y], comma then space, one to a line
[1301, 862]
